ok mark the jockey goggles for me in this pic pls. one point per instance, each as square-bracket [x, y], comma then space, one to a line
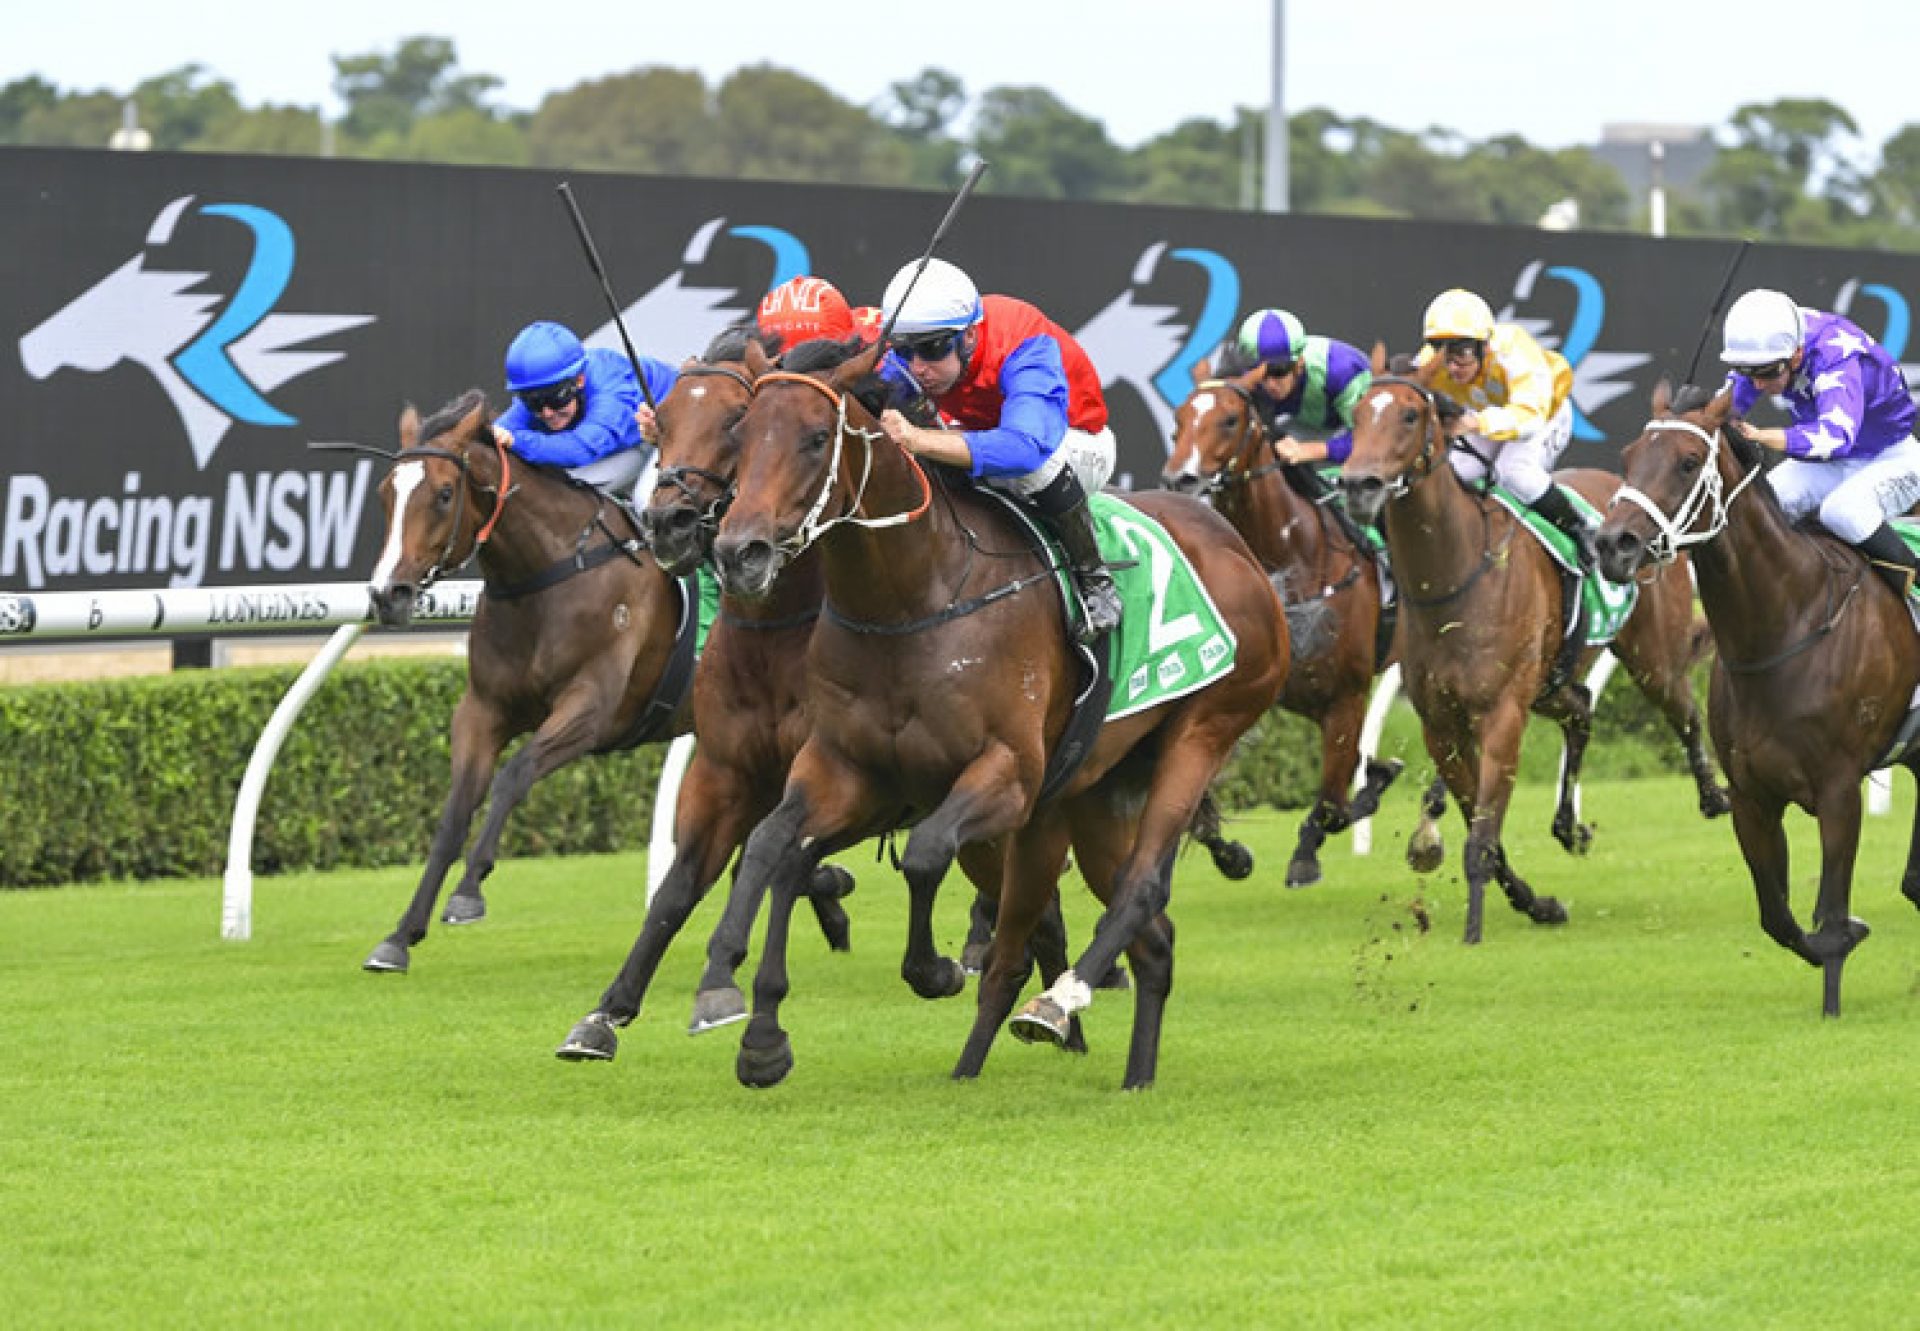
[926, 346]
[553, 397]
[1455, 346]
[1767, 371]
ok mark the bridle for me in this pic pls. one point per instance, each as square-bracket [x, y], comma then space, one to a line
[1239, 468]
[812, 527]
[722, 486]
[1425, 460]
[446, 562]
[1706, 497]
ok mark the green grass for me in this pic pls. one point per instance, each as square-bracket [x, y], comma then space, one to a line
[1636, 1121]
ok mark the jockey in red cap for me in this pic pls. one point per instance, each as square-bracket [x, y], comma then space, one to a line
[802, 309]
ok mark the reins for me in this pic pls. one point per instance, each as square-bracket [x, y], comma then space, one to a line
[811, 527]
[1422, 467]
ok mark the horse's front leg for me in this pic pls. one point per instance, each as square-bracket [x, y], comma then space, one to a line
[1910, 877]
[1836, 933]
[1572, 709]
[1339, 756]
[1028, 925]
[989, 799]
[710, 821]
[479, 733]
[1486, 857]
[1426, 847]
[570, 730]
[1758, 826]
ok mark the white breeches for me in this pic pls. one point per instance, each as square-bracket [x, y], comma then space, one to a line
[1854, 496]
[615, 472]
[1523, 464]
[1090, 455]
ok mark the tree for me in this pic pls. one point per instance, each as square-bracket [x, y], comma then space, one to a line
[183, 106]
[778, 125]
[1782, 152]
[385, 94]
[1897, 183]
[285, 131]
[650, 120]
[1041, 147]
[75, 120]
[20, 99]
[1200, 163]
[922, 111]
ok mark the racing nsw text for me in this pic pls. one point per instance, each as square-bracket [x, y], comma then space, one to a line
[267, 521]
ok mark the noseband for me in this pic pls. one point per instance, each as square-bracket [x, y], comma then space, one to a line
[446, 562]
[811, 527]
[1238, 470]
[1425, 460]
[1705, 497]
[722, 486]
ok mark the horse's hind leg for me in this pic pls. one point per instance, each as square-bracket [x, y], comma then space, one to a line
[1572, 707]
[1339, 756]
[1661, 670]
[567, 733]
[1426, 848]
[1910, 878]
[477, 737]
[1763, 845]
[1836, 933]
[710, 823]
[980, 921]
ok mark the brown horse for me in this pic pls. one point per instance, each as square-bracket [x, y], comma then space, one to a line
[1222, 451]
[1481, 627]
[573, 640]
[750, 717]
[940, 680]
[1817, 662]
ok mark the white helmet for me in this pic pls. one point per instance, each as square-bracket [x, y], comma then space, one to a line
[943, 299]
[1762, 327]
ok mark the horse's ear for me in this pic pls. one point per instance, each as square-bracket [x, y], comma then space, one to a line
[1379, 358]
[1202, 371]
[1249, 379]
[1662, 397]
[475, 424]
[689, 363]
[856, 367]
[409, 426]
[757, 360]
[1720, 408]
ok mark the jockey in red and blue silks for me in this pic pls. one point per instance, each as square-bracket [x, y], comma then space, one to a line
[1850, 450]
[1027, 402]
[581, 409]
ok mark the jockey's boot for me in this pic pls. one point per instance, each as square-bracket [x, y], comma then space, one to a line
[1064, 505]
[1890, 558]
[1556, 508]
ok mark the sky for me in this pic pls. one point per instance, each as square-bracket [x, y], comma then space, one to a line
[1140, 68]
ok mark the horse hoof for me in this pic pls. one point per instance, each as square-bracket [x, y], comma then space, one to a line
[1115, 979]
[714, 1008]
[1040, 1021]
[464, 910]
[973, 957]
[830, 880]
[945, 978]
[1076, 1037]
[591, 1040]
[1425, 858]
[761, 1066]
[1233, 860]
[1304, 871]
[1547, 910]
[1715, 801]
[390, 958]
[835, 927]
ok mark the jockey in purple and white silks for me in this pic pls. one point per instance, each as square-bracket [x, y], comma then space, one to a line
[1851, 454]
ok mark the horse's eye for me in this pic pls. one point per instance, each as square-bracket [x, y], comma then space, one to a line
[816, 440]
[1409, 416]
[443, 496]
[1689, 465]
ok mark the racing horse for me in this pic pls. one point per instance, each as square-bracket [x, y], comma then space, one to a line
[1481, 629]
[750, 717]
[1817, 660]
[575, 640]
[940, 677]
[1223, 452]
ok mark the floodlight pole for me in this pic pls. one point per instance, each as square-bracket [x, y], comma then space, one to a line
[1275, 192]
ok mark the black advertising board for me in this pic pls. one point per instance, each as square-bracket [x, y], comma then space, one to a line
[178, 328]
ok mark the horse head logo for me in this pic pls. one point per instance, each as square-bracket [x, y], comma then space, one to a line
[675, 314]
[1147, 346]
[215, 363]
[1597, 375]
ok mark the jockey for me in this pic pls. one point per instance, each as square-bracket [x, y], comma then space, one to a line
[581, 409]
[1850, 448]
[1313, 380]
[1519, 401]
[1028, 403]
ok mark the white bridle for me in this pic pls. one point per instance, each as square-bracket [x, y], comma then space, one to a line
[812, 528]
[1705, 497]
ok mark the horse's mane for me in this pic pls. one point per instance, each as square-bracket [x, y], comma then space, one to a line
[730, 344]
[871, 391]
[1233, 361]
[444, 420]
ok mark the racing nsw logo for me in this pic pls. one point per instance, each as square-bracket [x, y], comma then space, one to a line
[1598, 376]
[679, 313]
[216, 362]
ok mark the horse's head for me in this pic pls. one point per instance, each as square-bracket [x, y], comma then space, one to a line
[807, 447]
[1678, 474]
[434, 522]
[1399, 434]
[1218, 438]
[697, 449]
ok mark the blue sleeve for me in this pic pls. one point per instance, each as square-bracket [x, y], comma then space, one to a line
[1033, 413]
[605, 424]
[1340, 446]
[1744, 393]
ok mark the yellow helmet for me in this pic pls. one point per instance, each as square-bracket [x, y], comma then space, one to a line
[1457, 313]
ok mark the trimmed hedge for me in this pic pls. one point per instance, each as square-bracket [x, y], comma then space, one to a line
[136, 778]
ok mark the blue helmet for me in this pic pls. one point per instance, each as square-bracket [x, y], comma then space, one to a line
[543, 353]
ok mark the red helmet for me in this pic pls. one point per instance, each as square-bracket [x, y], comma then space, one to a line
[804, 308]
[868, 320]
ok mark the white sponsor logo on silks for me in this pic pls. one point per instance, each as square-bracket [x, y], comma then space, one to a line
[215, 362]
[1213, 651]
[1137, 682]
[1172, 671]
[676, 319]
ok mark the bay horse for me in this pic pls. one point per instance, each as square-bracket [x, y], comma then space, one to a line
[1481, 626]
[750, 718]
[940, 676]
[574, 639]
[1224, 453]
[1818, 659]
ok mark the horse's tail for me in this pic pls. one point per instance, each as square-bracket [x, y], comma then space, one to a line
[1231, 858]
